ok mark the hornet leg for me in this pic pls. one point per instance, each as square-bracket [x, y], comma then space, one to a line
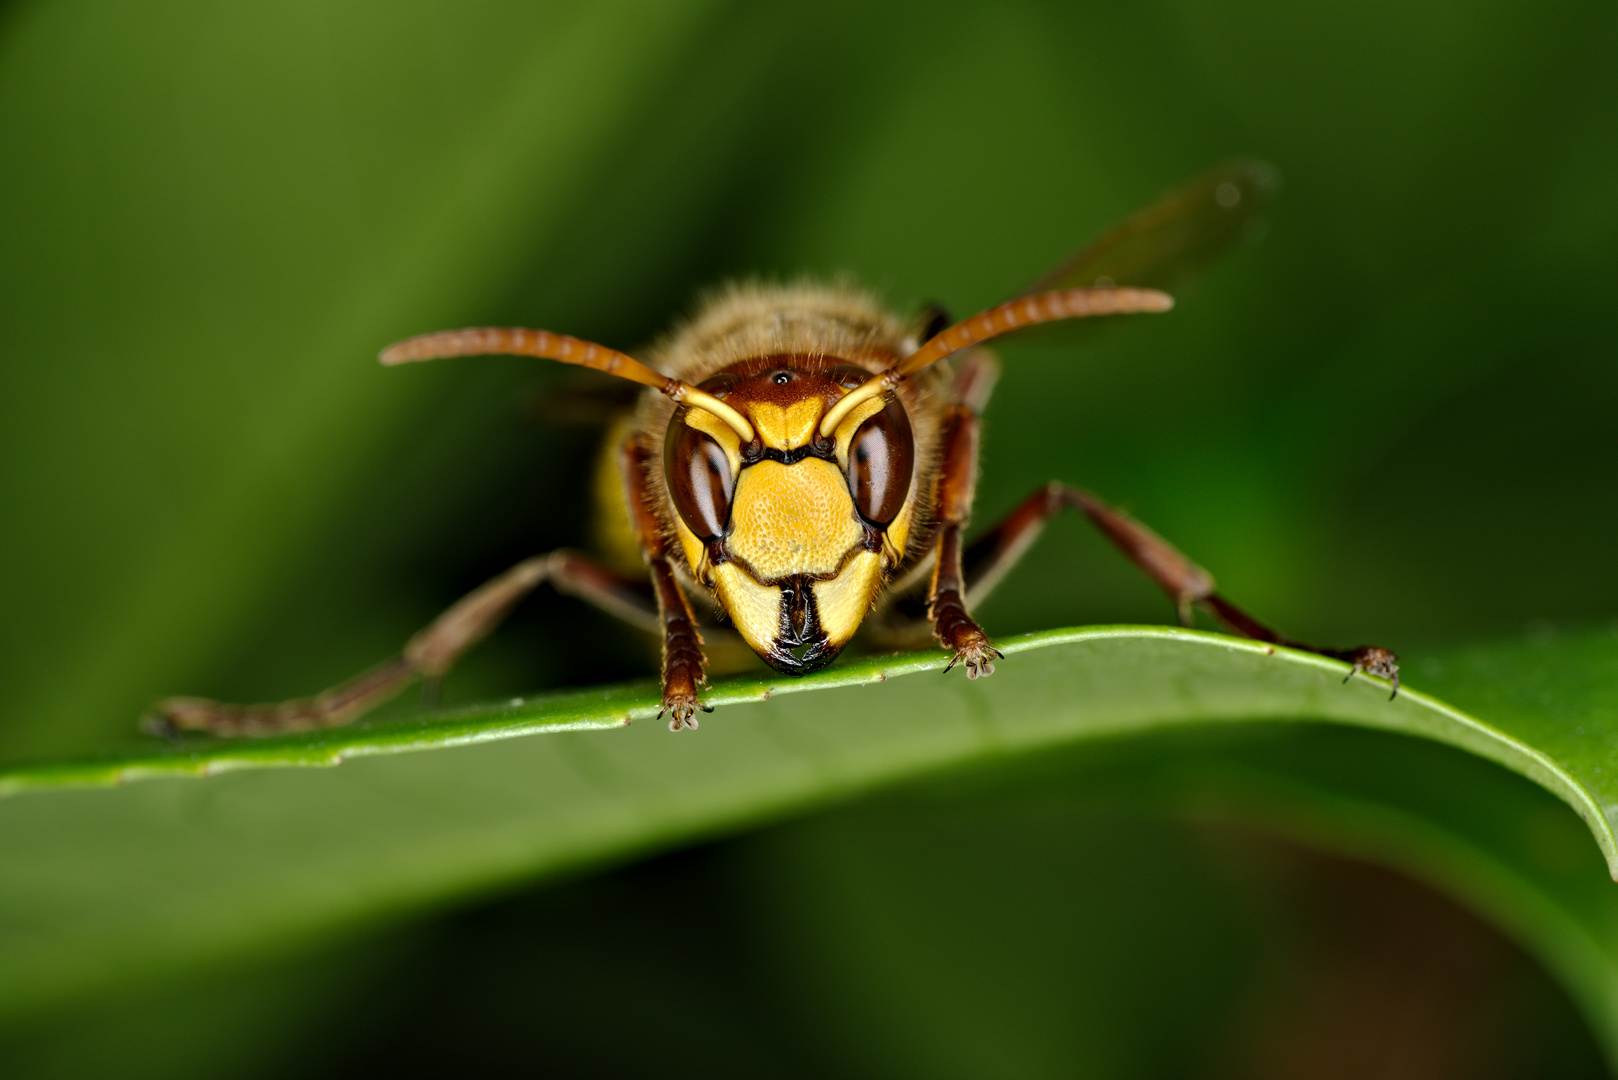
[429, 654]
[683, 660]
[1187, 584]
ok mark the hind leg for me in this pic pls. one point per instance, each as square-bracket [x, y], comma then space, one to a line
[989, 558]
[429, 654]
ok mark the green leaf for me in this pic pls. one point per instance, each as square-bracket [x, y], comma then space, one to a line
[128, 864]
[1079, 903]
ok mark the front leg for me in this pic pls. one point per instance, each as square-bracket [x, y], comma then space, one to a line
[954, 628]
[683, 660]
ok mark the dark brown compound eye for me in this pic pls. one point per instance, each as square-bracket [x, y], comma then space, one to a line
[699, 479]
[879, 463]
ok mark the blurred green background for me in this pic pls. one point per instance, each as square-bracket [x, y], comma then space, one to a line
[1391, 420]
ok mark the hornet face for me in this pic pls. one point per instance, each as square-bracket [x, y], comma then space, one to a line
[796, 531]
[820, 457]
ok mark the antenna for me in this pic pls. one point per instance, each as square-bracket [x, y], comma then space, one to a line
[519, 341]
[1012, 315]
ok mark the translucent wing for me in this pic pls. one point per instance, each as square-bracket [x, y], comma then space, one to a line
[1120, 273]
[1175, 236]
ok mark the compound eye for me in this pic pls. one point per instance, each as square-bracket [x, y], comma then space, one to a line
[699, 479]
[880, 457]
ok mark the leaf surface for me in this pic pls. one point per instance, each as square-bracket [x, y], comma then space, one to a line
[123, 865]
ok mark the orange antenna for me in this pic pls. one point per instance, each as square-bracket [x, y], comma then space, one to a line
[1012, 315]
[518, 341]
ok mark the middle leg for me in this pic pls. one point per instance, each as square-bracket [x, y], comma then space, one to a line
[989, 558]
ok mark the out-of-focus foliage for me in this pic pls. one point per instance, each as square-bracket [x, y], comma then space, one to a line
[1389, 421]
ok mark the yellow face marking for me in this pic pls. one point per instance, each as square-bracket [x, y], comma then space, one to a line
[843, 601]
[851, 424]
[720, 432]
[793, 519]
[788, 428]
[898, 532]
[695, 552]
[754, 609]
